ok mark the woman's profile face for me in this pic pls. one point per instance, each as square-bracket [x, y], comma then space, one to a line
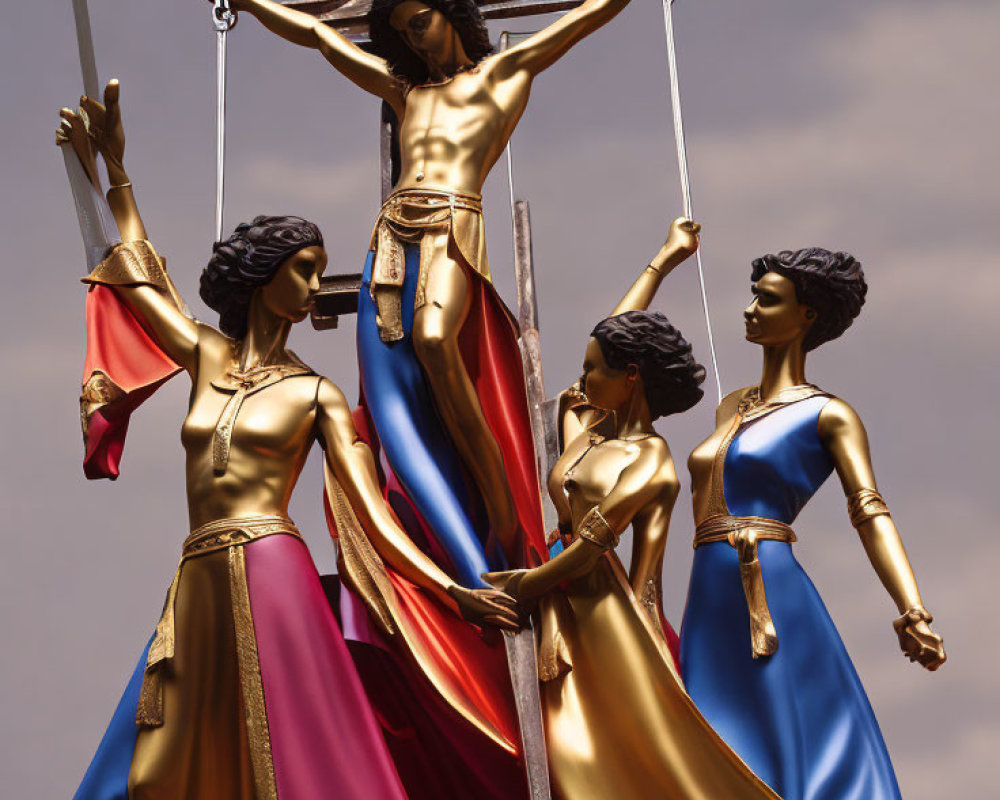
[425, 30]
[775, 316]
[289, 293]
[605, 387]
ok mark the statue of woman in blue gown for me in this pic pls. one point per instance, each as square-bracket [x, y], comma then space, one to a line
[760, 654]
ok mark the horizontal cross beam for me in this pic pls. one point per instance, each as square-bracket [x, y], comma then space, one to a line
[349, 16]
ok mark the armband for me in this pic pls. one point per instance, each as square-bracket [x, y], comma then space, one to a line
[594, 528]
[130, 264]
[865, 504]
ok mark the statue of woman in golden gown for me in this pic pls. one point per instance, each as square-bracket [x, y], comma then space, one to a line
[246, 688]
[618, 722]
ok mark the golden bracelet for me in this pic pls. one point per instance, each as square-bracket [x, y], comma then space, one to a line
[594, 528]
[130, 264]
[864, 505]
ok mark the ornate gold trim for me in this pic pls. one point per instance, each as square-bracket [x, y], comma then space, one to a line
[407, 216]
[743, 534]
[594, 528]
[865, 504]
[359, 560]
[217, 535]
[244, 383]
[98, 392]
[130, 264]
[251, 684]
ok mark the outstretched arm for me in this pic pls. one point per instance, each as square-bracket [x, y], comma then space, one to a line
[845, 439]
[132, 270]
[353, 465]
[551, 43]
[682, 242]
[364, 69]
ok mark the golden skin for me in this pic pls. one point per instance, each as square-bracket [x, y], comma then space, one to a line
[451, 133]
[777, 321]
[278, 425]
[629, 476]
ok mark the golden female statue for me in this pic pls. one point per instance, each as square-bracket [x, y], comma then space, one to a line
[247, 689]
[618, 722]
[761, 655]
[457, 107]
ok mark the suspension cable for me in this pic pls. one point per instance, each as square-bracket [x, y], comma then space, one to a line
[223, 19]
[682, 164]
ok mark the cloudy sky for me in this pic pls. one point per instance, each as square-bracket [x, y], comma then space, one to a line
[865, 126]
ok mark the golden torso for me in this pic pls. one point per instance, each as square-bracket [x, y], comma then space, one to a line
[701, 462]
[272, 436]
[453, 132]
[586, 473]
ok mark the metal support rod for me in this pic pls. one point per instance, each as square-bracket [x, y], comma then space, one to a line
[223, 19]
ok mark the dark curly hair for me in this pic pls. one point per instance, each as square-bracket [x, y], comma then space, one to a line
[406, 65]
[670, 375]
[248, 259]
[832, 284]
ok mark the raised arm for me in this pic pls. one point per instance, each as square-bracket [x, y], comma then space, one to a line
[650, 480]
[363, 69]
[682, 242]
[551, 43]
[133, 269]
[353, 465]
[845, 439]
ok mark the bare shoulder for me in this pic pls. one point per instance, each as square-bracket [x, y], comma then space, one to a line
[655, 452]
[838, 419]
[331, 401]
[215, 350]
[727, 408]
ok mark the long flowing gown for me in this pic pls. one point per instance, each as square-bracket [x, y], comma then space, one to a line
[247, 688]
[618, 722]
[799, 717]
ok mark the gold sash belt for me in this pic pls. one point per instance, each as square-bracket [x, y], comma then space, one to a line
[220, 534]
[743, 534]
[405, 217]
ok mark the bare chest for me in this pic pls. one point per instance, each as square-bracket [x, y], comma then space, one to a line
[276, 421]
[703, 457]
[592, 474]
[470, 112]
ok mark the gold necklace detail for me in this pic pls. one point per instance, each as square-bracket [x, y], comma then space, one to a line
[751, 406]
[242, 383]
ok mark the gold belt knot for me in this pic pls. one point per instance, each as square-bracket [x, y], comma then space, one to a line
[744, 534]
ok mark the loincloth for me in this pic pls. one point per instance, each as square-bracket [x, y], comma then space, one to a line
[451, 222]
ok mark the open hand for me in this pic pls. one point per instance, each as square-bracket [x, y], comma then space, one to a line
[917, 639]
[105, 124]
[486, 607]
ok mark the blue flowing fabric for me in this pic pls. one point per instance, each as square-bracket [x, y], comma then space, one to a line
[799, 718]
[413, 439]
[107, 775]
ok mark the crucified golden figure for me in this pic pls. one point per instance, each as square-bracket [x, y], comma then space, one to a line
[457, 106]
